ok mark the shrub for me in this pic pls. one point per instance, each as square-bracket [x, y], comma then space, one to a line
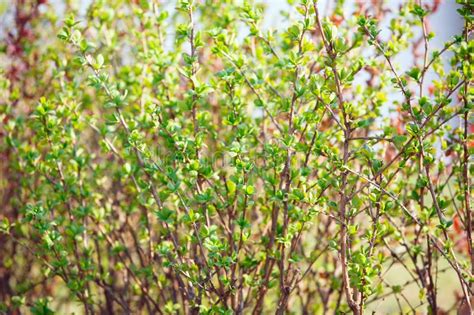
[182, 158]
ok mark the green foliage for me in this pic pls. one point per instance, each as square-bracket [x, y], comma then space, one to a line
[183, 158]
